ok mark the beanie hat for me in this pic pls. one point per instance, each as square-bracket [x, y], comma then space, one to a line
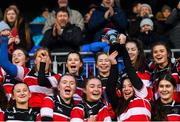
[146, 5]
[4, 26]
[165, 7]
[146, 21]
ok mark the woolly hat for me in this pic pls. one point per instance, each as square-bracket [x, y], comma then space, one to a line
[4, 26]
[146, 5]
[146, 21]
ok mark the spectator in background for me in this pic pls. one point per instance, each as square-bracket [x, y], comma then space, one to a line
[4, 29]
[20, 35]
[1, 14]
[174, 21]
[107, 15]
[43, 16]
[135, 11]
[36, 27]
[145, 12]
[63, 36]
[75, 17]
[161, 17]
[147, 34]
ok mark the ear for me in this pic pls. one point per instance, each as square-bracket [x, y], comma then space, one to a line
[13, 97]
[30, 94]
[66, 65]
[81, 64]
[96, 65]
[84, 90]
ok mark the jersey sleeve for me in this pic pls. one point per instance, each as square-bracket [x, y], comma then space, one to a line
[1, 115]
[47, 107]
[77, 114]
[103, 115]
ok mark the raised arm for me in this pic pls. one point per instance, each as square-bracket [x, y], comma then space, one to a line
[4, 61]
[135, 80]
[112, 81]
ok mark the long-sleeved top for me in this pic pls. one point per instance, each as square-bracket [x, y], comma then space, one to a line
[97, 21]
[84, 109]
[140, 80]
[39, 83]
[171, 68]
[138, 109]
[55, 109]
[168, 112]
[70, 39]
[16, 114]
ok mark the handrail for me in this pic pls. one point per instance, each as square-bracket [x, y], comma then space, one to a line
[62, 54]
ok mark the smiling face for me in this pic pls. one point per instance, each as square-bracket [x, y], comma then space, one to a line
[73, 64]
[93, 90]
[62, 18]
[103, 65]
[166, 90]
[132, 51]
[160, 55]
[21, 93]
[67, 87]
[19, 58]
[127, 89]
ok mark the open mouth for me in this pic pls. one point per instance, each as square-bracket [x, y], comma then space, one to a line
[73, 67]
[127, 93]
[67, 91]
[16, 61]
[96, 94]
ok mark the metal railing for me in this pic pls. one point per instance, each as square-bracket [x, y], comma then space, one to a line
[62, 64]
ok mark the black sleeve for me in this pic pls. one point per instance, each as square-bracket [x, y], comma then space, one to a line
[42, 79]
[72, 35]
[111, 87]
[49, 40]
[46, 119]
[135, 80]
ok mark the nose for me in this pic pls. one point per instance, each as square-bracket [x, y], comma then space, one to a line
[164, 88]
[68, 84]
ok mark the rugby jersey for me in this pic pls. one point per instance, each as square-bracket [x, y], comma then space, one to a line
[55, 108]
[16, 114]
[173, 69]
[138, 109]
[171, 110]
[83, 110]
[37, 90]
